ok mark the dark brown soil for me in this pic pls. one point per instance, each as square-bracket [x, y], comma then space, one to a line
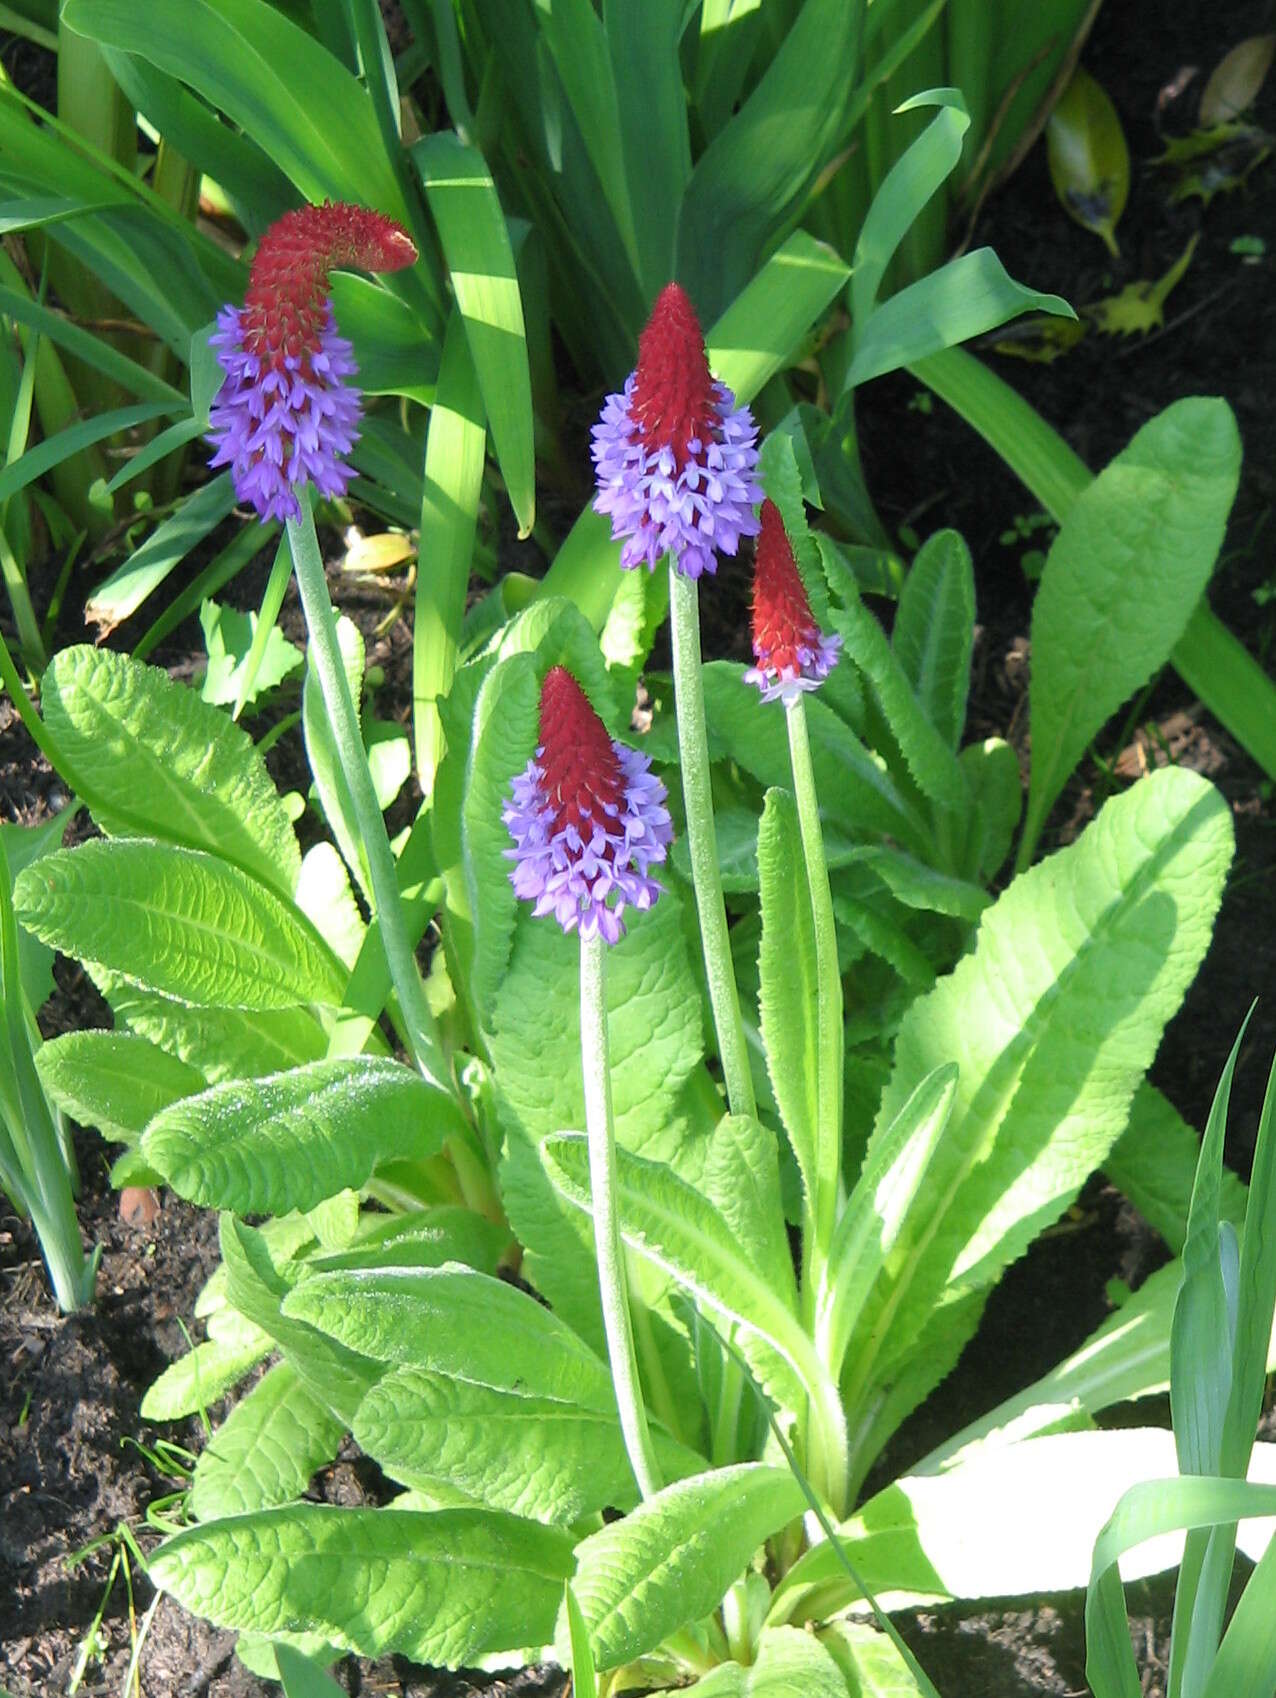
[70, 1469]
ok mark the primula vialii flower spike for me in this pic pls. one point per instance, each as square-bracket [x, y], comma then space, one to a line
[791, 651]
[673, 454]
[284, 415]
[587, 819]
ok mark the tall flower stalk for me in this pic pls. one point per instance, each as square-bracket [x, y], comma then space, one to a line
[792, 656]
[588, 822]
[283, 420]
[675, 460]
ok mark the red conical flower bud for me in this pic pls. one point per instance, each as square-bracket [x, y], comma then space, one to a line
[674, 401]
[791, 651]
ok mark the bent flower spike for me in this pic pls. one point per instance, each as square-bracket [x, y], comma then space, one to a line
[587, 819]
[285, 415]
[673, 455]
[791, 651]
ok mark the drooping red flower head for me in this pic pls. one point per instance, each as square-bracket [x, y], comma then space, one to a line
[285, 415]
[287, 301]
[791, 651]
[674, 455]
[587, 818]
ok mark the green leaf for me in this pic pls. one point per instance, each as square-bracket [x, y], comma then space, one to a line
[1134, 552]
[205, 1373]
[1154, 1163]
[136, 379]
[966, 297]
[395, 355]
[918, 173]
[742, 1180]
[230, 637]
[476, 243]
[179, 922]
[269, 1146]
[788, 1664]
[926, 751]
[222, 1043]
[445, 1587]
[871, 1222]
[991, 771]
[654, 1024]
[302, 1678]
[933, 634]
[787, 977]
[671, 1224]
[120, 596]
[268, 76]
[652, 123]
[17, 474]
[256, 1289]
[115, 1081]
[266, 1450]
[756, 171]
[1052, 1021]
[974, 1531]
[152, 760]
[544, 1457]
[670, 1561]
[422, 1238]
[1089, 161]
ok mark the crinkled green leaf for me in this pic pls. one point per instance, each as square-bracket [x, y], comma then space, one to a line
[1133, 555]
[180, 922]
[222, 1043]
[670, 1561]
[115, 1081]
[934, 628]
[205, 1373]
[787, 978]
[268, 1146]
[445, 1587]
[152, 760]
[266, 1450]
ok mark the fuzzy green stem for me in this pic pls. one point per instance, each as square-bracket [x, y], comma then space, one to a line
[418, 1022]
[829, 1053]
[702, 842]
[604, 1186]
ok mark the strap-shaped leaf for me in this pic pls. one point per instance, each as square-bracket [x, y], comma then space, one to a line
[543, 1457]
[153, 760]
[115, 1081]
[266, 1450]
[179, 922]
[268, 1146]
[452, 1320]
[673, 1225]
[443, 1587]
[787, 978]
[472, 229]
[256, 1289]
[1116, 922]
[1134, 552]
[934, 631]
[670, 1561]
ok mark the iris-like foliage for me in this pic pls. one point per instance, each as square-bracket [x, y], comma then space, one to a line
[673, 453]
[285, 415]
[587, 818]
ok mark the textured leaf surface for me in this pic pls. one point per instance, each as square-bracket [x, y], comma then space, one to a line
[788, 989]
[266, 1450]
[742, 1179]
[1154, 1163]
[676, 1227]
[221, 1043]
[152, 760]
[205, 1373]
[544, 1457]
[180, 922]
[445, 1587]
[933, 634]
[271, 1145]
[256, 1289]
[789, 1664]
[1052, 1022]
[115, 1081]
[670, 1562]
[1133, 555]
[654, 1027]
